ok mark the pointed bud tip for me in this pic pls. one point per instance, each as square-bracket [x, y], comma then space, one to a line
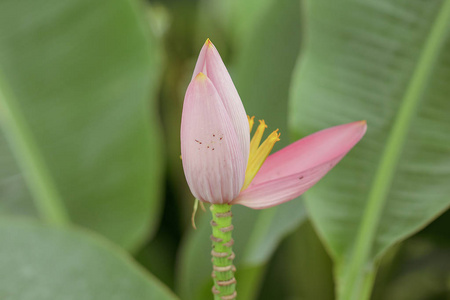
[208, 42]
[363, 123]
[200, 76]
[360, 124]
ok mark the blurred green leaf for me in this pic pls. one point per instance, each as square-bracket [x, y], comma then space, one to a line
[264, 61]
[387, 62]
[386, 268]
[213, 21]
[419, 269]
[41, 262]
[308, 267]
[76, 79]
[256, 235]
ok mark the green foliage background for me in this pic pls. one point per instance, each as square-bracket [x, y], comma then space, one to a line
[93, 200]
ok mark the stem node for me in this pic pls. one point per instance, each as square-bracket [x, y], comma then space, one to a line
[222, 253]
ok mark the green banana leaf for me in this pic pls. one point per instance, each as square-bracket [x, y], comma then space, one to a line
[40, 262]
[387, 62]
[79, 142]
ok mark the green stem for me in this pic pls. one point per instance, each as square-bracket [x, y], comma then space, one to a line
[355, 274]
[222, 253]
[369, 280]
[48, 202]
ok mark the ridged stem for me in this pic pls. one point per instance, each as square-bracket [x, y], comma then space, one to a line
[222, 253]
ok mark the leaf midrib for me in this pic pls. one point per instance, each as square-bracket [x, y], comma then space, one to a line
[383, 178]
[42, 187]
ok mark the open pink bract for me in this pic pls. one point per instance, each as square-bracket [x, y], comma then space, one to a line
[291, 171]
[215, 145]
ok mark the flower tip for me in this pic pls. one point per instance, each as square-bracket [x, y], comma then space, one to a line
[208, 42]
[363, 124]
[200, 76]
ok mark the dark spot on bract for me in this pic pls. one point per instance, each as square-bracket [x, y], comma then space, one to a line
[301, 177]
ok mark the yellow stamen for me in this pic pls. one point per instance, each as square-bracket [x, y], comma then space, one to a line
[258, 153]
[251, 121]
[256, 139]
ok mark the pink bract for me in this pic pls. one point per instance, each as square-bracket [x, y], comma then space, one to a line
[291, 171]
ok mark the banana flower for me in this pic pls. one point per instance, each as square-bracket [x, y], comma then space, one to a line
[224, 167]
[220, 162]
